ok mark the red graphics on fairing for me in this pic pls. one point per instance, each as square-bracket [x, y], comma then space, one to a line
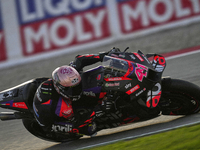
[138, 56]
[9, 104]
[102, 94]
[47, 103]
[131, 69]
[20, 105]
[117, 79]
[135, 88]
[98, 77]
[138, 67]
[141, 71]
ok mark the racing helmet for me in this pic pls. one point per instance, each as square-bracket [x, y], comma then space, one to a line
[67, 82]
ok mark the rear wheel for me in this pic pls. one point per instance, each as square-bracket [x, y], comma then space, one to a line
[179, 97]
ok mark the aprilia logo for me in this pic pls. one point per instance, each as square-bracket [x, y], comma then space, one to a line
[59, 128]
[89, 93]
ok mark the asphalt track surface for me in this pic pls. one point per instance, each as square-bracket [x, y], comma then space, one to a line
[14, 136]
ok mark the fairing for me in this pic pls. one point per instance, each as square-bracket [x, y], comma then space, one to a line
[135, 75]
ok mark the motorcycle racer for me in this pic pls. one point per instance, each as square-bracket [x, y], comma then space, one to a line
[133, 83]
[53, 100]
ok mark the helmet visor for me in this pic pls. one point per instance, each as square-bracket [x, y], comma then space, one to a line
[72, 91]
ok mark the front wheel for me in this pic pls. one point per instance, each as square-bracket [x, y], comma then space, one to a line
[179, 97]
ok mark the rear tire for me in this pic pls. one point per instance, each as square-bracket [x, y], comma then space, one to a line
[179, 97]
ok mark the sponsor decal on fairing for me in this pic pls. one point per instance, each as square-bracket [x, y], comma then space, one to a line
[20, 105]
[132, 57]
[135, 88]
[62, 128]
[6, 95]
[117, 79]
[112, 84]
[138, 56]
[140, 92]
[128, 85]
[90, 93]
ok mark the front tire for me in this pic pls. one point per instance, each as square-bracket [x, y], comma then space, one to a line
[179, 97]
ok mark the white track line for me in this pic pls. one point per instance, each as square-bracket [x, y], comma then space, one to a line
[182, 55]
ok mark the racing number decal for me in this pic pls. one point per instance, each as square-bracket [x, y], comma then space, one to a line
[159, 63]
[153, 97]
[140, 72]
[161, 60]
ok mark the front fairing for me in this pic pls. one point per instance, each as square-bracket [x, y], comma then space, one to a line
[134, 74]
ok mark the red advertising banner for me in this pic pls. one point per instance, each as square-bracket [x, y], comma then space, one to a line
[136, 15]
[3, 55]
[2, 47]
[51, 25]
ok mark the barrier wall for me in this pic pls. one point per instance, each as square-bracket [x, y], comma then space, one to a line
[33, 29]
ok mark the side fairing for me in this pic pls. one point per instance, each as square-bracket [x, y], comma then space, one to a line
[140, 79]
[91, 82]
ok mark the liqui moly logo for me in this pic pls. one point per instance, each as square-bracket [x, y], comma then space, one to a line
[136, 15]
[47, 25]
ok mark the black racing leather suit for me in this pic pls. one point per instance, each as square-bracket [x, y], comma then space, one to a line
[49, 105]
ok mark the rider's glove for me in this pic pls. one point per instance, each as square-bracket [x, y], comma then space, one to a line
[114, 50]
[76, 64]
[72, 64]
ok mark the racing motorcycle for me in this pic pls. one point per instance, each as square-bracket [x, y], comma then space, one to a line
[136, 83]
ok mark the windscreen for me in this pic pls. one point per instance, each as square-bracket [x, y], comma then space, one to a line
[115, 63]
